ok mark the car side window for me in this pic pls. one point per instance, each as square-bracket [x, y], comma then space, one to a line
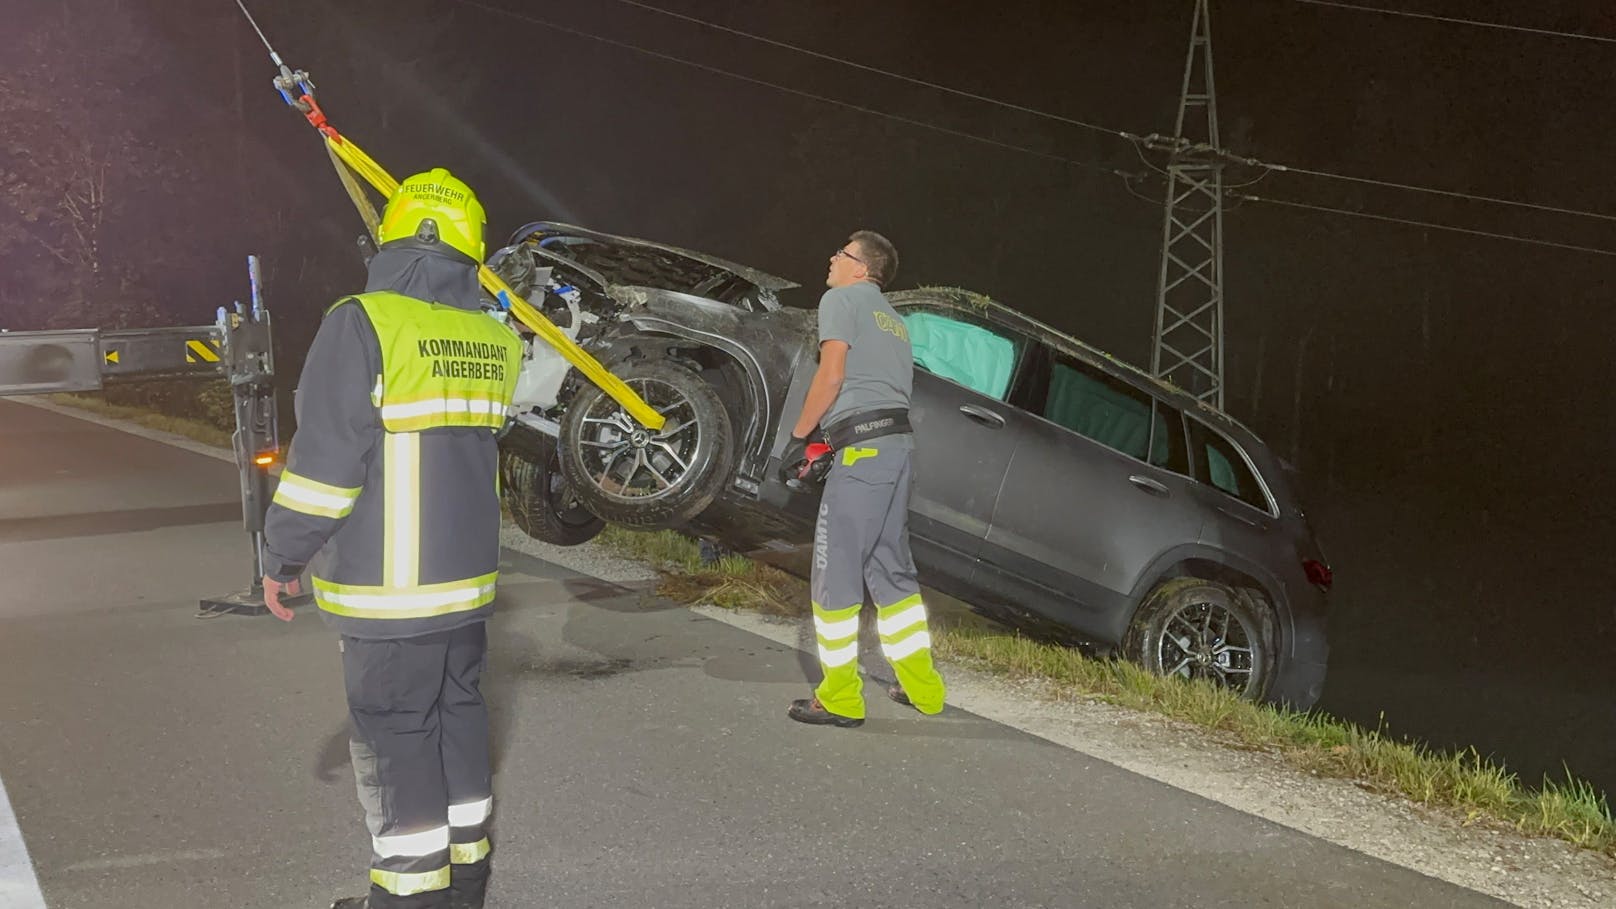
[1167, 447]
[1218, 463]
[972, 352]
[1098, 407]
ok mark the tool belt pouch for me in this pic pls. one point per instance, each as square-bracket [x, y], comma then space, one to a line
[869, 424]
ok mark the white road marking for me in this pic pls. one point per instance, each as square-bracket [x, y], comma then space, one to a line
[19, 888]
[119, 862]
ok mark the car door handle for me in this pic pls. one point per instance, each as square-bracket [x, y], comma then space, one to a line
[982, 415]
[1149, 485]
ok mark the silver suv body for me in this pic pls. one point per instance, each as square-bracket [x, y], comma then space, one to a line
[1056, 488]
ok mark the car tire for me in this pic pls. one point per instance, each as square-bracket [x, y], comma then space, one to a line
[1202, 629]
[540, 501]
[629, 475]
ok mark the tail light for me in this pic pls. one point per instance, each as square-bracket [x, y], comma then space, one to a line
[1318, 573]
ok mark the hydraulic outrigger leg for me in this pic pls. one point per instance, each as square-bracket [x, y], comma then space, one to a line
[237, 346]
[250, 366]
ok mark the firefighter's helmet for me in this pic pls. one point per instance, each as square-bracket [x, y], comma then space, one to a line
[434, 208]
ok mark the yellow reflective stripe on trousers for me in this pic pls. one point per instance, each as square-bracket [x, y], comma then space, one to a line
[419, 602]
[299, 493]
[469, 853]
[401, 515]
[399, 883]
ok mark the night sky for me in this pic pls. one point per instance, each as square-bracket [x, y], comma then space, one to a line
[1443, 395]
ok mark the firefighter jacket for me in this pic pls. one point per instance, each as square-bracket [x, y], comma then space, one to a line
[392, 477]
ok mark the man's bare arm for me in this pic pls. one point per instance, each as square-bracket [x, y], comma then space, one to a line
[827, 384]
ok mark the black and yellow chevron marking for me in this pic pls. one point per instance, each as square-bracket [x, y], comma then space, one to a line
[204, 350]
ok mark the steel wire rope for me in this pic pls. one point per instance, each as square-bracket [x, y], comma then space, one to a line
[824, 99]
[1290, 203]
[1135, 140]
[784, 45]
[1481, 23]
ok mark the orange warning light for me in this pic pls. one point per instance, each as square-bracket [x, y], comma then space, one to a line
[265, 459]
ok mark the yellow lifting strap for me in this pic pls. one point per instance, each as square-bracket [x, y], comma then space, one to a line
[349, 160]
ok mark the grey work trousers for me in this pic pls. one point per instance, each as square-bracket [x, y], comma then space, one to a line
[861, 542]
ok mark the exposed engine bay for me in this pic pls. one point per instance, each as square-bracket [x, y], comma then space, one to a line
[587, 282]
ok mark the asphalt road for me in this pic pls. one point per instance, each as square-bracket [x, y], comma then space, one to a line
[155, 760]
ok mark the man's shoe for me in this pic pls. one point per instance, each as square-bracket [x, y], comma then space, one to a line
[351, 902]
[810, 711]
[897, 693]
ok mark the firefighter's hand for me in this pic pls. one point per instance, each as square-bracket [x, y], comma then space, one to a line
[272, 597]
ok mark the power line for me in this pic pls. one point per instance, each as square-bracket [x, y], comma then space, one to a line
[1448, 227]
[1136, 141]
[535, 20]
[1020, 108]
[1456, 194]
[1450, 19]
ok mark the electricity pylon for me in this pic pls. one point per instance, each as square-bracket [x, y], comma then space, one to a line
[1188, 349]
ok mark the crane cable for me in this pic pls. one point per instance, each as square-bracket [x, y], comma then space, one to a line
[350, 161]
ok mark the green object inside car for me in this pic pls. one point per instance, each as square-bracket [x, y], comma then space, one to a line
[968, 354]
[1088, 406]
[1222, 474]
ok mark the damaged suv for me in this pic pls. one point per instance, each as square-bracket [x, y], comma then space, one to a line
[1056, 488]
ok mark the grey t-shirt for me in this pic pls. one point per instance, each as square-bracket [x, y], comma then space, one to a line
[880, 363]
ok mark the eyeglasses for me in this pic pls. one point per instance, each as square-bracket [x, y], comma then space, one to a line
[843, 252]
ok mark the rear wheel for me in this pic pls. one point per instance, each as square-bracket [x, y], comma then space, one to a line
[541, 501]
[1197, 629]
[638, 477]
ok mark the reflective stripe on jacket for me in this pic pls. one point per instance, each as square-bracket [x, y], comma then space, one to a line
[394, 468]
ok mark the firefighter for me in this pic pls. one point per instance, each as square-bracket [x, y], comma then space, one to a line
[860, 395]
[391, 480]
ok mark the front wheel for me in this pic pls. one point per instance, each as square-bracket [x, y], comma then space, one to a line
[634, 476]
[540, 500]
[1196, 629]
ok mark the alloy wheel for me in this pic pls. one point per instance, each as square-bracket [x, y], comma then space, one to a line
[626, 460]
[1207, 641]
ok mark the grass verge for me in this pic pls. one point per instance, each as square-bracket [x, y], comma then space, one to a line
[1478, 790]
[180, 426]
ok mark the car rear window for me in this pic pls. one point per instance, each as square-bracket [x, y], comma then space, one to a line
[1218, 463]
[972, 355]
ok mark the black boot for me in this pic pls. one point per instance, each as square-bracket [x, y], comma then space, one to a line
[351, 902]
[810, 711]
[468, 885]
